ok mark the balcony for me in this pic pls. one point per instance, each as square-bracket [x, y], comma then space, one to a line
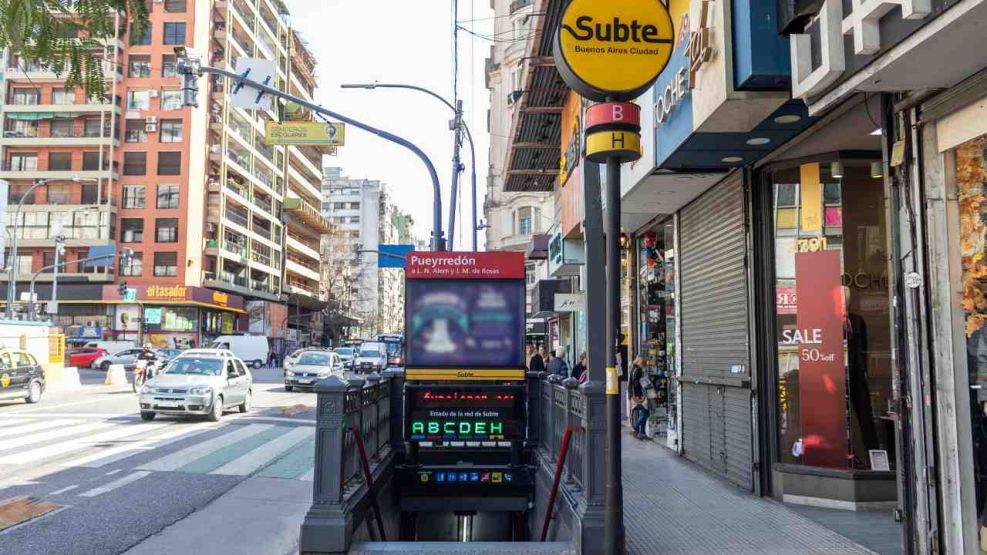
[295, 286]
[294, 244]
[301, 270]
[71, 137]
[60, 108]
[83, 225]
[307, 215]
[9, 170]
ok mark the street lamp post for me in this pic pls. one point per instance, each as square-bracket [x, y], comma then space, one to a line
[190, 67]
[458, 122]
[12, 277]
[59, 250]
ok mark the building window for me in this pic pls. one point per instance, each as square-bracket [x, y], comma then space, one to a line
[90, 193]
[175, 6]
[33, 225]
[171, 131]
[93, 127]
[138, 100]
[131, 230]
[171, 99]
[23, 161]
[62, 96]
[165, 264]
[136, 131]
[167, 196]
[60, 161]
[133, 196]
[20, 128]
[354, 206]
[831, 312]
[169, 163]
[174, 33]
[527, 220]
[136, 266]
[60, 128]
[59, 193]
[134, 163]
[166, 230]
[138, 66]
[22, 97]
[169, 65]
[91, 161]
[144, 40]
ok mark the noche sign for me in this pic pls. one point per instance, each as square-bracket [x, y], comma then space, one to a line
[613, 50]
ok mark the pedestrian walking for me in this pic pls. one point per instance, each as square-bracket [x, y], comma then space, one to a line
[557, 365]
[639, 384]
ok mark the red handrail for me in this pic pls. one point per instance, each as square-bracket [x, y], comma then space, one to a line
[558, 475]
[370, 480]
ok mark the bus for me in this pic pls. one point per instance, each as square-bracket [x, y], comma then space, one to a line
[395, 348]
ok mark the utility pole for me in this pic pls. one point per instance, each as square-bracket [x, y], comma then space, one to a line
[457, 167]
[190, 68]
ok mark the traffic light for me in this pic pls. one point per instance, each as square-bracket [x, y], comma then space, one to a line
[122, 288]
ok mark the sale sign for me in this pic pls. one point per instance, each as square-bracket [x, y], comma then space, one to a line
[822, 371]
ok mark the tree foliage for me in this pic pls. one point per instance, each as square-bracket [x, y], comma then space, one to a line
[68, 35]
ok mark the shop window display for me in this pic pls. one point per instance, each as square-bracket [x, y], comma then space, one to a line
[656, 299]
[970, 168]
[832, 314]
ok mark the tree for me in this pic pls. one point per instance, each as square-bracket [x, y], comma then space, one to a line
[67, 35]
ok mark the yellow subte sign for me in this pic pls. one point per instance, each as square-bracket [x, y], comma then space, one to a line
[312, 133]
[446, 374]
[613, 49]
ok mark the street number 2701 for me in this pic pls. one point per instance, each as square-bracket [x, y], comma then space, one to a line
[814, 244]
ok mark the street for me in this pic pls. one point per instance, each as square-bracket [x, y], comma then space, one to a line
[116, 480]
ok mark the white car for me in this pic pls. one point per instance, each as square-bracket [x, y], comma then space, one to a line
[203, 382]
[372, 357]
[310, 367]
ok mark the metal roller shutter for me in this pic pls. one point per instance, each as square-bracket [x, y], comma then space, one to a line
[716, 395]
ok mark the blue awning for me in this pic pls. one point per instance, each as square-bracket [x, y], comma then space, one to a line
[102, 255]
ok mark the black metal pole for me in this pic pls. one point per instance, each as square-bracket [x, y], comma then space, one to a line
[456, 168]
[614, 500]
[469, 137]
[438, 241]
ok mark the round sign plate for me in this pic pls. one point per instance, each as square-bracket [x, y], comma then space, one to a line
[613, 50]
[623, 145]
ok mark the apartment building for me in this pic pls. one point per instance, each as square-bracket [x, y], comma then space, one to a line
[365, 217]
[514, 212]
[197, 194]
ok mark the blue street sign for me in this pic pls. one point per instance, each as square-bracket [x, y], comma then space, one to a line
[393, 256]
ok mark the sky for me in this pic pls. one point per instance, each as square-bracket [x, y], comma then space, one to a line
[397, 41]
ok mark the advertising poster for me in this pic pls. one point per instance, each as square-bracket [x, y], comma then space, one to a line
[822, 374]
[459, 323]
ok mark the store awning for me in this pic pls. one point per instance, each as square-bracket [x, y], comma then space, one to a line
[30, 116]
[103, 255]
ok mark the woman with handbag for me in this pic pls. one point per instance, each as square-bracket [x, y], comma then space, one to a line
[639, 384]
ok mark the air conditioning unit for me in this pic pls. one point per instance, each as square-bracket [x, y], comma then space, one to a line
[153, 93]
[150, 124]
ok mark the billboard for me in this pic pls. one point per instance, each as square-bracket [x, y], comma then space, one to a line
[464, 313]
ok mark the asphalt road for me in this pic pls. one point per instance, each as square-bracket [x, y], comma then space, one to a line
[118, 480]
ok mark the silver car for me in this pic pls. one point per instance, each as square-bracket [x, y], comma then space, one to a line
[204, 382]
[311, 367]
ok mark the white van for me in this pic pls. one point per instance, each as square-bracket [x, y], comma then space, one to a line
[251, 349]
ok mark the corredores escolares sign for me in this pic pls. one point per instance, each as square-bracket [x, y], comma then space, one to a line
[613, 50]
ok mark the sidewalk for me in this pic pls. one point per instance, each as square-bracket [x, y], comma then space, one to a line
[259, 516]
[672, 506]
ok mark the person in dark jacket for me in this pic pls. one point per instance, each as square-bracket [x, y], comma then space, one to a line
[638, 399]
[579, 367]
[537, 362]
[557, 366]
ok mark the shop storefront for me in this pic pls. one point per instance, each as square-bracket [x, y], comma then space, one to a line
[175, 316]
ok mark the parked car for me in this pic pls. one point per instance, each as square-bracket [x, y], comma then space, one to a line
[21, 377]
[110, 346]
[127, 357]
[292, 359]
[203, 382]
[311, 367]
[372, 357]
[346, 355]
[84, 357]
[252, 349]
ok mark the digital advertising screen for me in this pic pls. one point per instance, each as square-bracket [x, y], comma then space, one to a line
[457, 323]
[464, 413]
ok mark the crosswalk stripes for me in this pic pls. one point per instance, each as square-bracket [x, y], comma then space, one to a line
[180, 458]
[227, 448]
[72, 445]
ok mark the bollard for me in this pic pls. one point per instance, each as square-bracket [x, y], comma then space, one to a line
[116, 375]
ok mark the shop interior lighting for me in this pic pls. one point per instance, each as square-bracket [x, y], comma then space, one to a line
[836, 169]
[876, 169]
[877, 132]
[758, 141]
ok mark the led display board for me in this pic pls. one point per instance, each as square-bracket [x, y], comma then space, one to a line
[464, 413]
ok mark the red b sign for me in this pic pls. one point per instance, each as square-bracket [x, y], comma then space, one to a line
[624, 116]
